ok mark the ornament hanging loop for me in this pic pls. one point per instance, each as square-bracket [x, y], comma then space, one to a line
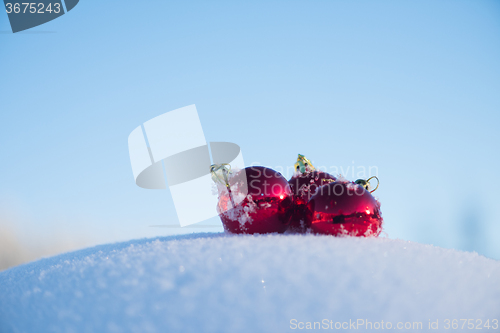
[366, 183]
[378, 183]
[220, 174]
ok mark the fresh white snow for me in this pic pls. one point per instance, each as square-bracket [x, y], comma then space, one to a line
[263, 283]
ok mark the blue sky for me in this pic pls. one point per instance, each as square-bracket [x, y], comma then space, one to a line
[410, 87]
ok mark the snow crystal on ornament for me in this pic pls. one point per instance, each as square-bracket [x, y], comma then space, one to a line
[341, 178]
[352, 186]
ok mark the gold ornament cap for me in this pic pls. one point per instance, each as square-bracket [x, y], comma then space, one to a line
[303, 165]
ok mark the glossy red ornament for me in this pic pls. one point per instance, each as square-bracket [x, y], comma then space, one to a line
[344, 208]
[304, 186]
[266, 208]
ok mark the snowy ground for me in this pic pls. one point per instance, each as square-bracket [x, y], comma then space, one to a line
[272, 283]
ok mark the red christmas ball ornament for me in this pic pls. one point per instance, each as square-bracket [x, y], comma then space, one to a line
[304, 184]
[257, 200]
[344, 208]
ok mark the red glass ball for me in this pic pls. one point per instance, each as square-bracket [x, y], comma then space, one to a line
[266, 208]
[344, 208]
[304, 186]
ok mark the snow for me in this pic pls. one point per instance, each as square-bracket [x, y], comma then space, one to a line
[215, 282]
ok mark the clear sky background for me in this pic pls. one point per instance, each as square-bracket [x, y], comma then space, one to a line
[409, 87]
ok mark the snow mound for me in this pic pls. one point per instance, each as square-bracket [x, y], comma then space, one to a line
[263, 283]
